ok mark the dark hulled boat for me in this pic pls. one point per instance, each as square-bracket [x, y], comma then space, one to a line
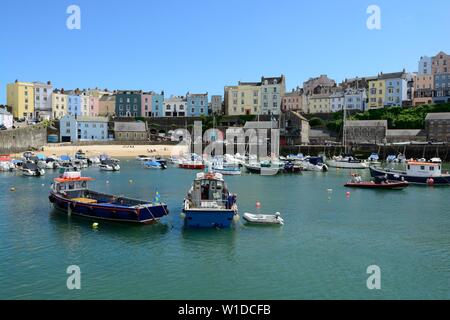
[417, 172]
[70, 194]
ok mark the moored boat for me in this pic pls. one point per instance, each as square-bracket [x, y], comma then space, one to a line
[208, 203]
[70, 194]
[264, 219]
[32, 169]
[153, 164]
[109, 165]
[378, 183]
[347, 162]
[417, 172]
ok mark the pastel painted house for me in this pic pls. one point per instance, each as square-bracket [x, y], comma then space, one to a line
[175, 106]
[59, 103]
[81, 128]
[197, 104]
[73, 103]
[128, 103]
[442, 87]
[6, 118]
[20, 96]
[42, 100]
[93, 106]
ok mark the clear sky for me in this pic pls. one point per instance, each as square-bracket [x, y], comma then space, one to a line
[202, 45]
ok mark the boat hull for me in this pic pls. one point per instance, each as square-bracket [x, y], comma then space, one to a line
[443, 180]
[380, 186]
[192, 166]
[109, 212]
[347, 165]
[208, 218]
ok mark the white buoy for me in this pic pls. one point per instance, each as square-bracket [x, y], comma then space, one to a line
[107, 181]
[13, 189]
[95, 225]
[182, 215]
[236, 218]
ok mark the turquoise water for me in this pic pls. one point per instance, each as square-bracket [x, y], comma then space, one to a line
[322, 252]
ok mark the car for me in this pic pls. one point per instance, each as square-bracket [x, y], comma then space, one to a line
[3, 127]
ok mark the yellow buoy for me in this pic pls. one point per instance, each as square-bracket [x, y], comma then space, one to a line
[95, 225]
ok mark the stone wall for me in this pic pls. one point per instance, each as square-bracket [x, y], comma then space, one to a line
[22, 139]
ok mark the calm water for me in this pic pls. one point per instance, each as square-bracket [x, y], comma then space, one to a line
[322, 252]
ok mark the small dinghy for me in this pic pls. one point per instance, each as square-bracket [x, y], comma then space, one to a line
[264, 219]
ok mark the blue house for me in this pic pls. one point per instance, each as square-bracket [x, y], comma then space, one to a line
[158, 105]
[73, 104]
[197, 104]
[442, 88]
[79, 128]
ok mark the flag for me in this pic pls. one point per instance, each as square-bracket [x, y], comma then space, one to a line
[157, 197]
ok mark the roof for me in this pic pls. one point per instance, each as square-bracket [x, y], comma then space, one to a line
[108, 98]
[260, 125]
[130, 126]
[92, 119]
[438, 116]
[298, 115]
[366, 123]
[393, 75]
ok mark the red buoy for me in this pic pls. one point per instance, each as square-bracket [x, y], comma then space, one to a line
[430, 181]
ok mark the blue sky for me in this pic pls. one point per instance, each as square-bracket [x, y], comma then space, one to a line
[202, 45]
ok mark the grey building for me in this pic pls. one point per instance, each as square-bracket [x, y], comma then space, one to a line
[442, 87]
[216, 104]
[294, 129]
[365, 131]
[130, 131]
[437, 127]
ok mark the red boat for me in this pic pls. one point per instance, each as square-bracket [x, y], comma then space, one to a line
[387, 184]
[195, 165]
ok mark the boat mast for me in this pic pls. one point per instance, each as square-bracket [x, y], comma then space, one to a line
[344, 142]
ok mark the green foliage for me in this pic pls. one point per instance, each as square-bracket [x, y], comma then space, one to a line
[402, 118]
[316, 122]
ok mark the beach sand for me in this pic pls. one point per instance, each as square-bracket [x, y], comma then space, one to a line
[114, 150]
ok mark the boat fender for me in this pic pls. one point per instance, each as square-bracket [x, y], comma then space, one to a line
[236, 218]
[430, 181]
[137, 212]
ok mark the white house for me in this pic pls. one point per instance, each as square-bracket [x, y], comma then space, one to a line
[6, 118]
[43, 100]
[337, 101]
[81, 128]
[355, 99]
[175, 106]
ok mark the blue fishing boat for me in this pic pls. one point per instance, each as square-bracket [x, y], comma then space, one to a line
[69, 193]
[154, 164]
[208, 203]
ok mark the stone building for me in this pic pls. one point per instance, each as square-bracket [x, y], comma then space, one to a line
[130, 131]
[437, 127]
[294, 129]
[365, 131]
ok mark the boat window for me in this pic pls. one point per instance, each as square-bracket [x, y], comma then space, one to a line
[439, 167]
[83, 184]
[422, 167]
[432, 168]
[409, 167]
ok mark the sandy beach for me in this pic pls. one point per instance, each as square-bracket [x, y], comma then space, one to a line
[114, 150]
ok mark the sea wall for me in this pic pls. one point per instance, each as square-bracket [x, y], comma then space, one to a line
[22, 139]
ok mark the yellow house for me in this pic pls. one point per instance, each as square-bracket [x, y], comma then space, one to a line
[244, 99]
[59, 104]
[20, 96]
[319, 103]
[376, 95]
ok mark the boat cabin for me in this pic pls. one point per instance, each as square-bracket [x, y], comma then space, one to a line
[70, 182]
[423, 169]
[209, 190]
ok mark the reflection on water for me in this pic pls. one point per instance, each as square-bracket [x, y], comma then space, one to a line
[322, 251]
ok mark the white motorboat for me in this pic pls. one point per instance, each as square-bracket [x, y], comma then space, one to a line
[347, 162]
[314, 164]
[144, 158]
[32, 169]
[93, 160]
[264, 219]
[109, 165]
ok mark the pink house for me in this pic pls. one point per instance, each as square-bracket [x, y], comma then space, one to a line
[146, 104]
[93, 106]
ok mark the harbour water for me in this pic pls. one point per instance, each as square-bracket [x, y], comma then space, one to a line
[322, 252]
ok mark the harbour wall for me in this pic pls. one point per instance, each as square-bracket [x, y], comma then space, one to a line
[22, 139]
[427, 151]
